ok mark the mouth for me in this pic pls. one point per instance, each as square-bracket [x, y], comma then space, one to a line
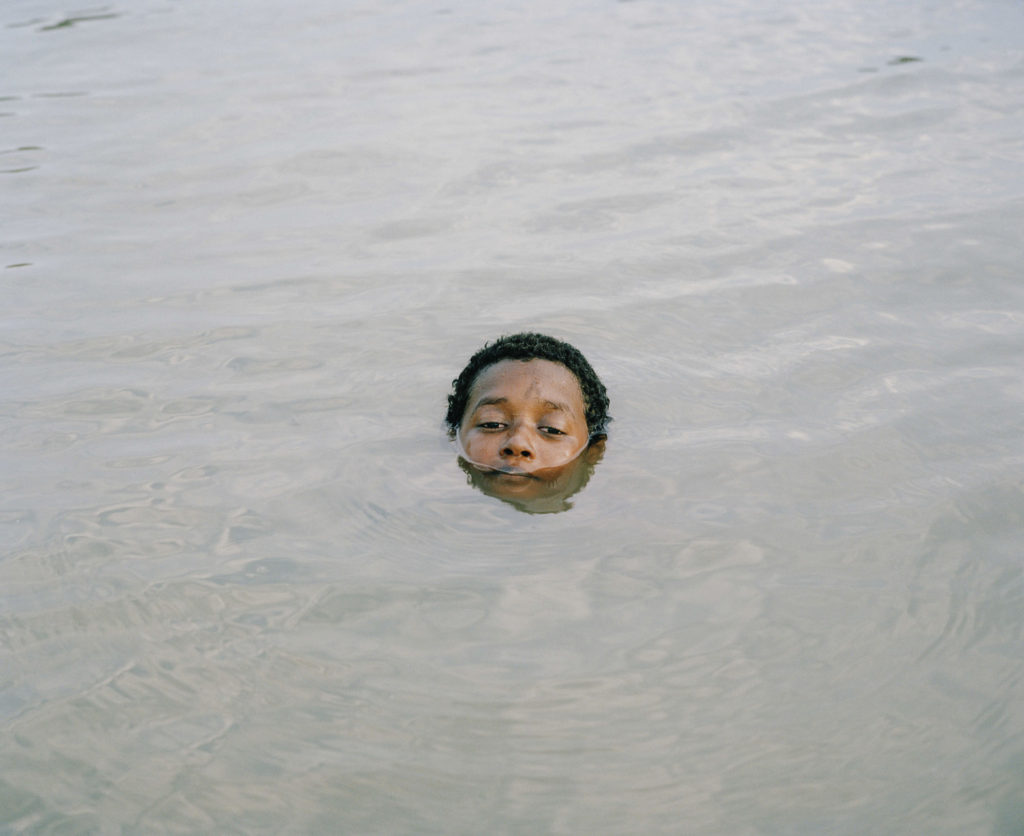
[510, 472]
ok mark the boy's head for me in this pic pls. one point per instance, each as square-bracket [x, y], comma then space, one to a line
[526, 347]
[529, 415]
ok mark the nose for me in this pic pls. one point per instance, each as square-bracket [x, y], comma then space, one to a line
[518, 445]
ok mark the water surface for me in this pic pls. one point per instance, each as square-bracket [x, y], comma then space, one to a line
[244, 586]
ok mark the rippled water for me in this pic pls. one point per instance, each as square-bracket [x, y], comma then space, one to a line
[244, 585]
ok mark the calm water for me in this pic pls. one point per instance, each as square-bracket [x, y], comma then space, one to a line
[244, 586]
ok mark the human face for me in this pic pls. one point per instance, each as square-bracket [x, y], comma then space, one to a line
[524, 422]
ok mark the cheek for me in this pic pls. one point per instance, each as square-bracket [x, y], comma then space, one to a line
[556, 457]
[478, 445]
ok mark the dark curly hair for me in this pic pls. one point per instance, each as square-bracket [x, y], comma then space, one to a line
[532, 347]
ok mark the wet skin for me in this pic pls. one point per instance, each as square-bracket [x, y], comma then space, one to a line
[525, 430]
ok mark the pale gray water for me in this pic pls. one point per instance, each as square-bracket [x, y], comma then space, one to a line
[244, 586]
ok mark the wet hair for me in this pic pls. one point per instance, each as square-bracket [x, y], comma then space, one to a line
[532, 347]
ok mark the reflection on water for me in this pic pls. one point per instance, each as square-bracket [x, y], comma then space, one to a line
[244, 589]
[540, 492]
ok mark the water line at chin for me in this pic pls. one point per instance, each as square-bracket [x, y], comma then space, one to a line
[460, 448]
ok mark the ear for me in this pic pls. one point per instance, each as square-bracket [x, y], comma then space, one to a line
[595, 451]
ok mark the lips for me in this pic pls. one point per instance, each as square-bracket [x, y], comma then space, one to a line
[512, 471]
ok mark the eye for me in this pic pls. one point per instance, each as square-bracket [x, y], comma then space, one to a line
[551, 431]
[490, 425]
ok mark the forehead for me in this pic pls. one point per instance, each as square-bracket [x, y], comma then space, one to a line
[536, 379]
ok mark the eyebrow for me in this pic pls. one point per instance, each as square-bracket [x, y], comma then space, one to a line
[488, 402]
[561, 407]
[556, 405]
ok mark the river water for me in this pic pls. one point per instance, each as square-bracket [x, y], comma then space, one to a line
[244, 584]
